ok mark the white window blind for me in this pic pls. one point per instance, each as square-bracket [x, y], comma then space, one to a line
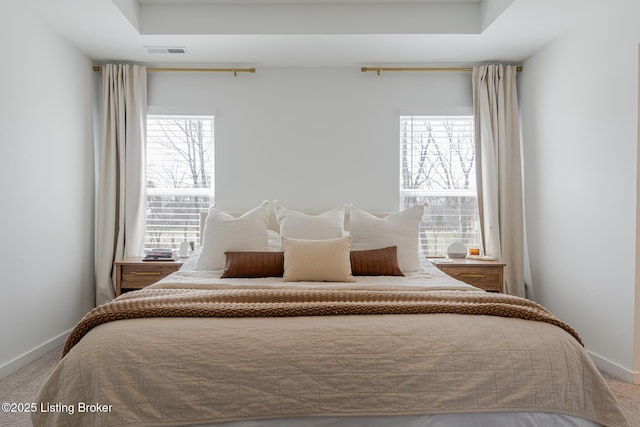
[437, 156]
[179, 178]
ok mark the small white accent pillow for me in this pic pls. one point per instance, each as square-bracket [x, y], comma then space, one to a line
[223, 232]
[399, 229]
[298, 225]
[325, 260]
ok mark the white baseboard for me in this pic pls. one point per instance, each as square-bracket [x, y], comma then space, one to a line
[30, 356]
[614, 369]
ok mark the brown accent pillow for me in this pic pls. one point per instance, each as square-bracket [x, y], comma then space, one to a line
[253, 264]
[376, 262]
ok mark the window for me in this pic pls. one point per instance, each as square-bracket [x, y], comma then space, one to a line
[179, 178]
[437, 156]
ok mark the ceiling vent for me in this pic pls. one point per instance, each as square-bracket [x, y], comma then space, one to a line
[164, 49]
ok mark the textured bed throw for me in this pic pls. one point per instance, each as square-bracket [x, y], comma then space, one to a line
[307, 302]
[164, 357]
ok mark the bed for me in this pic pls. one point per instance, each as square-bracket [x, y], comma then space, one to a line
[323, 320]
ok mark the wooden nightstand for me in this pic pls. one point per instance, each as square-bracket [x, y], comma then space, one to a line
[133, 273]
[487, 275]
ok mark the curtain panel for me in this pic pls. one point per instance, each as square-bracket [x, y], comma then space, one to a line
[499, 163]
[121, 186]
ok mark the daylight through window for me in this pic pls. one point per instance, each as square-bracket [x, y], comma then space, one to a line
[437, 156]
[179, 178]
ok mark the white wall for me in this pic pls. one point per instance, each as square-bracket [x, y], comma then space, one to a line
[312, 138]
[46, 170]
[579, 101]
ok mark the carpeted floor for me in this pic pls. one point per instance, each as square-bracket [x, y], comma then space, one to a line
[23, 386]
[628, 396]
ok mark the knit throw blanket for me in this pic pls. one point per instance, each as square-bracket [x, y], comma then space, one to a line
[306, 302]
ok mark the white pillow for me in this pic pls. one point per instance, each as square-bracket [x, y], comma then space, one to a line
[273, 241]
[298, 225]
[326, 260]
[223, 232]
[399, 229]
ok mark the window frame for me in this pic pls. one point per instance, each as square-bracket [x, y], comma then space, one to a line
[190, 228]
[470, 236]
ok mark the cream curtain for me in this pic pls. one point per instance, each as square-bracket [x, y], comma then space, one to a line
[497, 134]
[121, 187]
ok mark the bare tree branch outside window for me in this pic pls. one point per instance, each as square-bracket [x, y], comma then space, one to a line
[179, 178]
[437, 156]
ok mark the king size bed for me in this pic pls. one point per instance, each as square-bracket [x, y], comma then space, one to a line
[308, 325]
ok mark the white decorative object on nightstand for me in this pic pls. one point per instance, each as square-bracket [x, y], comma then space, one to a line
[457, 250]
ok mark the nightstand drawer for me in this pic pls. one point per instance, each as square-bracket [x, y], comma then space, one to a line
[488, 278]
[483, 274]
[133, 273]
[139, 276]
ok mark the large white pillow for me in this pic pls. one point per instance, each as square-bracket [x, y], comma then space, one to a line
[325, 260]
[223, 232]
[399, 229]
[298, 225]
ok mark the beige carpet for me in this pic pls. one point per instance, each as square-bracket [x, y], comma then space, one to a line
[628, 396]
[23, 386]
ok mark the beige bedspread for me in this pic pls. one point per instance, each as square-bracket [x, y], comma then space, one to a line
[274, 353]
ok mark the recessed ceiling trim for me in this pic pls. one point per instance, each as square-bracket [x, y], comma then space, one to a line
[131, 10]
[310, 18]
[490, 10]
[396, 2]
